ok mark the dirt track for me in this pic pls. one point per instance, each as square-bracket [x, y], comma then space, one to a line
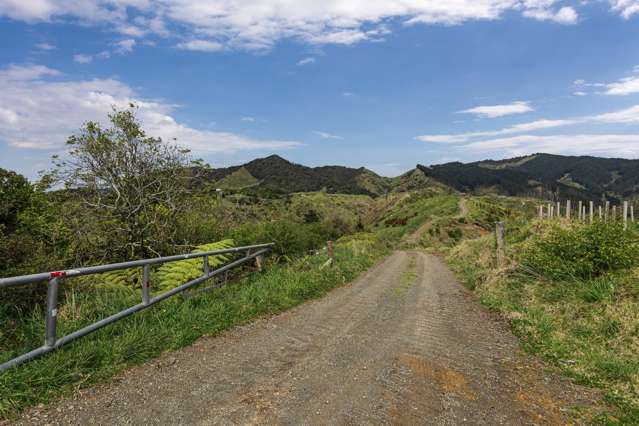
[404, 344]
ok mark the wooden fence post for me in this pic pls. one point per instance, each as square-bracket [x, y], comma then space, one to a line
[331, 252]
[592, 211]
[258, 263]
[600, 213]
[499, 237]
[625, 215]
[632, 213]
[549, 210]
[568, 209]
[614, 213]
[580, 217]
[606, 211]
[541, 212]
[558, 209]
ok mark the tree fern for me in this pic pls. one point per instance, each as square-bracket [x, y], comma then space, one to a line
[173, 274]
[168, 275]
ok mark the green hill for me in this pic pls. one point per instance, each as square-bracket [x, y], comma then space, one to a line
[278, 175]
[584, 177]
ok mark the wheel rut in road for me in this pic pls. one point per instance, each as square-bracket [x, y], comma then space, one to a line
[403, 344]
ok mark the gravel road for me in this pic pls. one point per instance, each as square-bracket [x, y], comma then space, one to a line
[404, 344]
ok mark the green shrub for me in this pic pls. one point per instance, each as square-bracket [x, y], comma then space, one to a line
[454, 234]
[582, 251]
[598, 289]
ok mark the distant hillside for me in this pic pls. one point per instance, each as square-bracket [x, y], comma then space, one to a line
[588, 178]
[541, 175]
[278, 175]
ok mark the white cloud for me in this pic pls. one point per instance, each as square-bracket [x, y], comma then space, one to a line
[326, 135]
[490, 142]
[200, 45]
[125, 46]
[620, 145]
[31, 103]
[248, 119]
[305, 61]
[45, 46]
[494, 111]
[625, 8]
[580, 93]
[624, 116]
[579, 82]
[565, 15]
[260, 24]
[519, 128]
[625, 86]
[82, 58]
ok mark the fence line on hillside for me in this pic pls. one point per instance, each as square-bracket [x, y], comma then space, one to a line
[588, 212]
[51, 340]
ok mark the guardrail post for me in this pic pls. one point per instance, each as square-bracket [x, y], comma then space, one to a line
[146, 274]
[50, 335]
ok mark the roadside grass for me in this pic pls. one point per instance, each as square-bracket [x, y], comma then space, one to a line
[577, 310]
[168, 326]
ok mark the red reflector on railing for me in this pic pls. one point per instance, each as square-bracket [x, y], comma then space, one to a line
[58, 274]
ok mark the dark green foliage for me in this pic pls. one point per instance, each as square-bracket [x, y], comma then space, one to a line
[290, 238]
[311, 216]
[454, 233]
[15, 196]
[592, 178]
[582, 251]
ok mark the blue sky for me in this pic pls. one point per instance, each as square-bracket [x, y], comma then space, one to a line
[376, 83]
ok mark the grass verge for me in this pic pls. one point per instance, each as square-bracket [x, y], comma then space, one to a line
[566, 308]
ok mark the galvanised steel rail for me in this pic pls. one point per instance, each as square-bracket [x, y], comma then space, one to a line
[52, 342]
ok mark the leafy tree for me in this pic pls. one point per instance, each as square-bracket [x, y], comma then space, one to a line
[133, 184]
[15, 195]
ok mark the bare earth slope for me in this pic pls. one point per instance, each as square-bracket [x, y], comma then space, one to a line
[404, 344]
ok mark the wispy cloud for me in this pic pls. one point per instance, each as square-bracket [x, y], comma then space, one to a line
[525, 142]
[45, 46]
[31, 94]
[622, 145]
[248, 119]
[519, 128]
[81, 58]
[306, 61]
[495, 111]
[201, 45]
[125, 46]
[326, 135]
[623, 87]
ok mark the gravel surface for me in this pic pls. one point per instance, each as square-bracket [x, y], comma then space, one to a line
[404, 344]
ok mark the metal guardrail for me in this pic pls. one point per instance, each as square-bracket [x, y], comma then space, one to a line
[52, 342]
